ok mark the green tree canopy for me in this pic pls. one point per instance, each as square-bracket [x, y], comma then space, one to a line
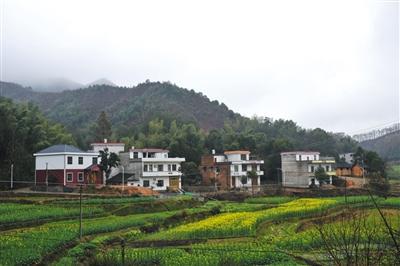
[24, 131]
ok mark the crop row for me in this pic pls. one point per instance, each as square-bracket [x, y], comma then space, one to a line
[243, 223]
[210, 254]
[16, 213]
[27, 246]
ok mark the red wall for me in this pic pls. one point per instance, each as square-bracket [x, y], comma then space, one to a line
[59, 174]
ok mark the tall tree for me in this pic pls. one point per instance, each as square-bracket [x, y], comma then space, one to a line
[103, 127]
[108, 160]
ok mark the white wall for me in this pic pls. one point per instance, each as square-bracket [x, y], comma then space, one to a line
[236, 157]
[157, 155]
[53, 162]
[153, 183]
[57, 161]
[306, 157]
[111, 148]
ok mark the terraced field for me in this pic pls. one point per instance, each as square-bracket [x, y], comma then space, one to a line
[185, 231]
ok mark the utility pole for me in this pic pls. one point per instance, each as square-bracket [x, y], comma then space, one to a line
[123, 251]
[47, 177]
[363, 176]
[12, 176]
[123, 179]
[80, 212]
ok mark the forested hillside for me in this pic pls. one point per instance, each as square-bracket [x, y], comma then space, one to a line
[23, 131]
[185, 122]
[128, 108]
[387, 146]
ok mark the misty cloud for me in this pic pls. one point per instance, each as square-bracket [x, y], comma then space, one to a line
[329, 64]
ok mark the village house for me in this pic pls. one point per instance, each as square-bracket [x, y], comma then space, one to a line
[153, 168]
[66, 165]
[344, 169]
[230, 170]
[115, 147]
[298, 168]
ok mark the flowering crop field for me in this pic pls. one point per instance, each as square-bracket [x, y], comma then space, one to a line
[28, 246]
[259, 231]
[243, 223]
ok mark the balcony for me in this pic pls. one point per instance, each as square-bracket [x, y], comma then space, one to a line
[244, 173]
[161, 173]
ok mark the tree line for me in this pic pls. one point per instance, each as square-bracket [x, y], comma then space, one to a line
[23, 131]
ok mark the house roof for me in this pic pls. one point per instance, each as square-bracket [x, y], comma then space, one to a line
[93, 168]
[343, 165]
[236, 152]
[300, 152]
[149, 150]
[117, 179]
[107, 143]
[61, 148]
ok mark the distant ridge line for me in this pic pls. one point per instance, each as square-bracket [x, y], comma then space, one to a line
[377, 133]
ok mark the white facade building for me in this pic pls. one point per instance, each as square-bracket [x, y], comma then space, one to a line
[152, 168]
[241, 164]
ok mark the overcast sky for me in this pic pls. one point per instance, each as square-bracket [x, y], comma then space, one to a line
[329, 64]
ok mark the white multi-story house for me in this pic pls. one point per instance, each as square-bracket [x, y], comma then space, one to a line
[298, 167]
[241, 164]
[153, 168]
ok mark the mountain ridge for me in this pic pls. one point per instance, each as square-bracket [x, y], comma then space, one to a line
[126, 106]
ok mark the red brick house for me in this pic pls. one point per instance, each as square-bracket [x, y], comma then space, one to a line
[66, 165]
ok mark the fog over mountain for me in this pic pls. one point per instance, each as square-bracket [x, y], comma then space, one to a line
[328, 64]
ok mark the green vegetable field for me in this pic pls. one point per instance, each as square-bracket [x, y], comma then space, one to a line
[182, 230]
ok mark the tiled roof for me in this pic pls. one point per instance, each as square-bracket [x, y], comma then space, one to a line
[343, 165]
[300, 152]
[149, 150]
[61, 148]
[107, 143]
[236, 152]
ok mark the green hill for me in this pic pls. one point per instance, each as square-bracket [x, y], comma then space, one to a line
[126, 107]
[387, 146]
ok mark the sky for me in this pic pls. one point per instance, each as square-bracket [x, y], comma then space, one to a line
[332, 64]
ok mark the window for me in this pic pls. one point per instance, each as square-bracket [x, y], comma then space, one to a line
[244, 167]
[69, 177]
[146, 183]
[236, 168]
[135, 155]
[69, 160]
[145, 168]
[80, 177]
[150, 168]
[299, 157]
[94, 160]
[327, 168]
[160, 168]
[174, 167]
[169, 168]
[80, 160]
[160, 183]
[315, 157]
[243, 157]
[312, 169]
